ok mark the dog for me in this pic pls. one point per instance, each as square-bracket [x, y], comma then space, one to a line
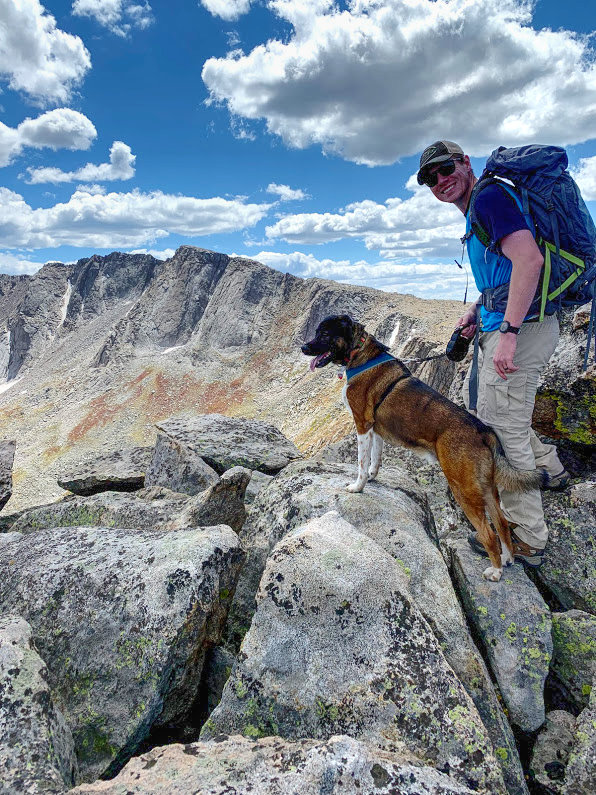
[389, 404]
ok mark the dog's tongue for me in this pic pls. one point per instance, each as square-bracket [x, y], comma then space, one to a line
[316, 360]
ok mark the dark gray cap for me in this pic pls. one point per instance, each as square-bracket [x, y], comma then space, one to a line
[437, 153]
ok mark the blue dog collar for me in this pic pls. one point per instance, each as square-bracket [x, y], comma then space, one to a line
[380, 359]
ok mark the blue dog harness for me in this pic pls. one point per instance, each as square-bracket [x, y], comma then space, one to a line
[351, 372]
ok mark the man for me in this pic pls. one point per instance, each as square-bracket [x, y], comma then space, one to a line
[515, 348]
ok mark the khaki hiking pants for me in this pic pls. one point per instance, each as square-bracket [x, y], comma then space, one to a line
[507, 406]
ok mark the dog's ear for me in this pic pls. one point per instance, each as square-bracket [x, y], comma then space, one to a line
[357, 331]
[347, 325]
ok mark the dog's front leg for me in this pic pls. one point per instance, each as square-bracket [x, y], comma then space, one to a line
[376, 455]
[365, 441]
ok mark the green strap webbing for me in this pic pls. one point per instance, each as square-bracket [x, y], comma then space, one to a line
[545, 281]
[546, 296]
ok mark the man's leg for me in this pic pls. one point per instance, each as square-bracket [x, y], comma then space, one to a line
[507, 406]
[546, 455]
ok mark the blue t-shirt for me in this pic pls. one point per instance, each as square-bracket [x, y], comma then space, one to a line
[500, 215]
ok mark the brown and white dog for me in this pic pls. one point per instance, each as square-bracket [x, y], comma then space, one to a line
[389, 403]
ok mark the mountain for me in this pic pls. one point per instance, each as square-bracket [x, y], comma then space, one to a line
[93, 354]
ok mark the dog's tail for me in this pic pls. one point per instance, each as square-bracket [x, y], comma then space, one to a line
[507, 476]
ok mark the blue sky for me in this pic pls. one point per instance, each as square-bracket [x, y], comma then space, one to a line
[288, 132]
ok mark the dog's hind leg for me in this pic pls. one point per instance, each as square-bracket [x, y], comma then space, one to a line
[501, 525]
[474, 506]
[365, 443]
[375, 456]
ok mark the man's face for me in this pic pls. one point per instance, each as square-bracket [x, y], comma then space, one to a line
[454, 186]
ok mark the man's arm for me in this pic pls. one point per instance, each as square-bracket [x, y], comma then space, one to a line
[527, 261]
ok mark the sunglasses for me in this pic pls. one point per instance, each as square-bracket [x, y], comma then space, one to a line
[447, 168]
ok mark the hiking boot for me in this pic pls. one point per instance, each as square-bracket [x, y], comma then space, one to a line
[522, 552]
[558, 482]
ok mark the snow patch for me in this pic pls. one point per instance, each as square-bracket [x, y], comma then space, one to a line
[5, 387]
[394, 335]
[65, 302]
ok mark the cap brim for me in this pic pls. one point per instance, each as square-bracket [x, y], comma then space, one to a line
[431, 162]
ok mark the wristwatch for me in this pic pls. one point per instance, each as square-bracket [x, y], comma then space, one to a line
[507, 328]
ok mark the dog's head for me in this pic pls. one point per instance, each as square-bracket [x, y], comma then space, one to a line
[333, 341]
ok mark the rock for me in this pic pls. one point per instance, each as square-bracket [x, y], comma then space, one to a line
[338, 645]
[399, 520]
[7, 451]
[217, 670]
[153, 508]
[36, 746]
[140, 510]
[574, 653]
[580, 776]
[222, 502]
[565, 406]
[179, 468]
[258, 481]
[272, 766]
[551, 751]
[569, 568]
[122, 621]
[514, 626]
[224, 442]
[122, 470]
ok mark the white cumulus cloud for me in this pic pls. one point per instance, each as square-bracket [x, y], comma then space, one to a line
[416, 227]
[15, 264]
[227, 9]
[121, 166]
[61, 128]
[286, 193]
[425, 280]
[36, 57]
[119, 16]
[115, 220]
[381, 79]
[585, 176]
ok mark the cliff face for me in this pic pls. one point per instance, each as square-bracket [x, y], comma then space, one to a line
[93, 354]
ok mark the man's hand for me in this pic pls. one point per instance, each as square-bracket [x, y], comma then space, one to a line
[504, 353]
[468, 318]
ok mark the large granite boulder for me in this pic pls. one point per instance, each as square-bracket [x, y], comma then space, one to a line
[121, 470]
[36, 746]
[580, 776]
[122, 620]
[7, 451]
[565, 406]
[551, 751]
[338, 645]
[149, 508]
[224, 442]
[273, 766]
[396, 515]
[514, 625]
[178, 467]
[221, 502]
[574, 658]
[569, 568]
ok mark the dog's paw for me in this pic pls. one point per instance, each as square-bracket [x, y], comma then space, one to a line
[355, 488]
[492, 574]
[372, 473]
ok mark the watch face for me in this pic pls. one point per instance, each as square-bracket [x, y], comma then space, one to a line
[504, 327]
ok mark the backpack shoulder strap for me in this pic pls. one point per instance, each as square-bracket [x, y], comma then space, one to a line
[477, 229]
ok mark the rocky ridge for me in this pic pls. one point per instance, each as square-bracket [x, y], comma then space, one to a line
[330, 641]
[210, 609]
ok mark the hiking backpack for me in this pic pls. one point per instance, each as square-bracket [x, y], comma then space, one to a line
[564, 229]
